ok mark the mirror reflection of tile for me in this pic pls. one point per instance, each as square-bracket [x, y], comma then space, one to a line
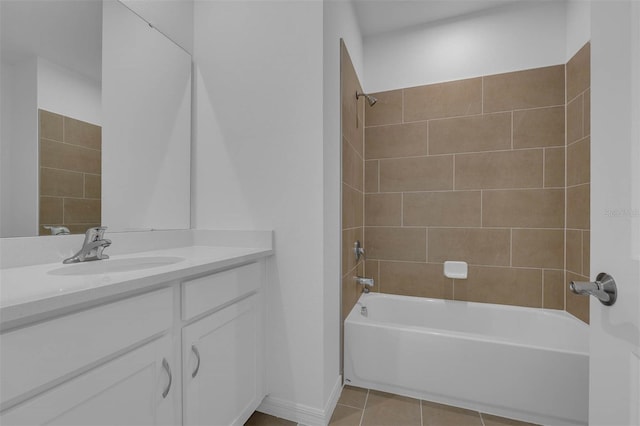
[70, 173]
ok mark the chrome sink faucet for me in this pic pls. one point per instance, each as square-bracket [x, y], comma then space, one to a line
[92, 248]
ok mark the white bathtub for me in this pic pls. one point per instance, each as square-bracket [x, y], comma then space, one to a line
[522, 363]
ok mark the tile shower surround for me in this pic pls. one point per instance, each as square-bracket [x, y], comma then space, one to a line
[578, 94]
[474, 170]
[352, 180]
[70, 173]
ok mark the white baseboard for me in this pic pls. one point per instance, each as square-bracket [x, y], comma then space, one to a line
[300, 413]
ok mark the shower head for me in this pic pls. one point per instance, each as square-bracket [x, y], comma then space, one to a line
[370, 99]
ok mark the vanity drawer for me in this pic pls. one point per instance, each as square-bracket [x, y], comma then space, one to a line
[39, 354]
[212, 291]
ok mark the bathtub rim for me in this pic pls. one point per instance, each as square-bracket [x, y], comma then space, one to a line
[355, 317]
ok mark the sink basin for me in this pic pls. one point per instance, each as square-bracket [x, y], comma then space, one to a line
[109, 266]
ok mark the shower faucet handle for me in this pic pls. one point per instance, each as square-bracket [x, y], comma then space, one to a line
[358, 250]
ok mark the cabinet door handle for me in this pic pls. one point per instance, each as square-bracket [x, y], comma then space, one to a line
[165, 365]
[197, 352]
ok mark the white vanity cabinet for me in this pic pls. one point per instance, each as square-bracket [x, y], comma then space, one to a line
[129, 390]
[190, 352]
[112, 364]
[222, 352]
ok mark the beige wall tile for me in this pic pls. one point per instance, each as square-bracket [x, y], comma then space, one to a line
[579, 72]
[352, 166]
[81, 211]
[408, 244]
[352, 207]
[455, 208]
[451, 99]
[371, 268]
[474, 246]
[470, 134]
[92, 186]
[351, 290]
[50, 125]
[80, 228]
[497, 170]
[397, 140]
[415, 279]
[577, 305]
[388, 109]
[541, 127]
[578, 205]
[528, 208]
[416, 174]
[352, 110]
[586, 98]
[579, 162]
[489, 420]
[586, 253]
[538, 248]
[349, 237]
[553, 289]
[575, 124]
[532, 88]
[68, 157]
[81, 133]
[384, 409]
[371, 176]
[383, 209]
[506, 286]
[51, 211]
[352, 128]
[61, 183]
[434, 414]
[574, 251]
[554, 170]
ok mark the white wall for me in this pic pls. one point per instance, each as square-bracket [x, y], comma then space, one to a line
[174, 18]
[578, 26]
[69, 93]
[258, 164]
[339, 22]
[19, 149]
[509, 38]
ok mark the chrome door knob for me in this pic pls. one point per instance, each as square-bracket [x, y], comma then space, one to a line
[604, 288]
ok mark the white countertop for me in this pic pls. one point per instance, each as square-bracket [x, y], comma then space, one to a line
[33, 290]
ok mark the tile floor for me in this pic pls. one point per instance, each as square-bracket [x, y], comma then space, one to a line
[362, 407]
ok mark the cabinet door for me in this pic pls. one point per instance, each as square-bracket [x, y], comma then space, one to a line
[221, 356]
[125, 391]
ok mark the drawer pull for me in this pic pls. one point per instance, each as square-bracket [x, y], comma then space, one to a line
[165, 365]
[197, 352]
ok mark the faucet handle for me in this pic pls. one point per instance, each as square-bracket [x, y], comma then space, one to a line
[94, 234]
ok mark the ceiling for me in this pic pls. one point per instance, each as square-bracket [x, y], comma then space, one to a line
[381, 16]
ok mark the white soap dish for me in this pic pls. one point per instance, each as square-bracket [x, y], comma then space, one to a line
[457, 270]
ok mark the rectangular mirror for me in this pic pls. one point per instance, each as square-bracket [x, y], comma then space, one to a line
[95, 122]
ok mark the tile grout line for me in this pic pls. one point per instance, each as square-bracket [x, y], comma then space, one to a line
[542, 303]
[366, 399]
[544, 160]
[511, 130]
